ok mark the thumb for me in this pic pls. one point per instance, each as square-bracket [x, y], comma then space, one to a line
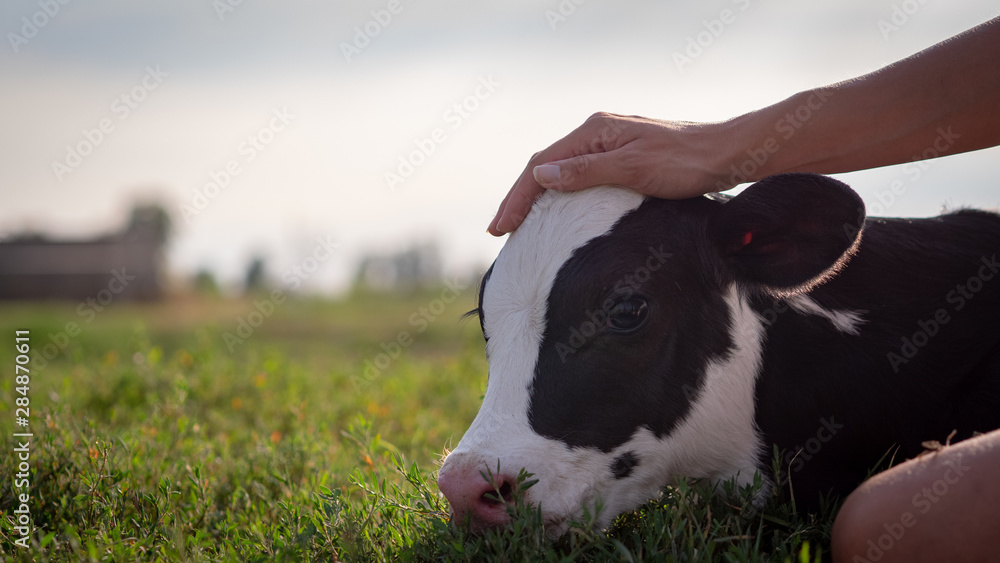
[576, 173]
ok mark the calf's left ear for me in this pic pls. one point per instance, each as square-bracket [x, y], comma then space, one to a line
[788, 232]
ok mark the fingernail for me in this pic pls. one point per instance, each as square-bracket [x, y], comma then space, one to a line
[494, 228]
[547, 173]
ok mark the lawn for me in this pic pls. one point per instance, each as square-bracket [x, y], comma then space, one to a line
[252, 430]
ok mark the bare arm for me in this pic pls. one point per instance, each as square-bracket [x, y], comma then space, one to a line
[894, 114]
[943, 100]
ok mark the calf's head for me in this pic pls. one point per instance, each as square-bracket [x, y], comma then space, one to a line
[622, 352]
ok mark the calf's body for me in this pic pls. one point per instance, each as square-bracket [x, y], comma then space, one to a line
[923, 358]
[634, 340]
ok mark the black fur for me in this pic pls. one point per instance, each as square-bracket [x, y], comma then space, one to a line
[901, 276]
[623, 465]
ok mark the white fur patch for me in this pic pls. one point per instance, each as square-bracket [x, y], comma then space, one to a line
[514, 308]
[845, 321]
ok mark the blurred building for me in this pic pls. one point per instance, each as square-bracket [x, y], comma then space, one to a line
[418, 266]
[124, 265]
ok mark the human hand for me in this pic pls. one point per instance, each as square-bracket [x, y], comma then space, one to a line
[667, 159]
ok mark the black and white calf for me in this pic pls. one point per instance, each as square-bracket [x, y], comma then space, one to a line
[633, 340]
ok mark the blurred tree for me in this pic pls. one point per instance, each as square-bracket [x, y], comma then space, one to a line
[416, 267]
[149, 222]
[205, 284]
[255, 278]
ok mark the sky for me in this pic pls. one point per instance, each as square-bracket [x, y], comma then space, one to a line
[279, 129]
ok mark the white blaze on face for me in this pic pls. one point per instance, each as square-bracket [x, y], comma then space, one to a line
[717, 439]
[514, 307]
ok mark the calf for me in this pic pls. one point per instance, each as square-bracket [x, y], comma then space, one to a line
[633, 340]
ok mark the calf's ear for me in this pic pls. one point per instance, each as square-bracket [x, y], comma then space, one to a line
[788, 232]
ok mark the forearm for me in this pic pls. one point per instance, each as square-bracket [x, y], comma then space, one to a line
[944, 100]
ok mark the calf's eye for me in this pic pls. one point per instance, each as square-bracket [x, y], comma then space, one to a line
[628, 314]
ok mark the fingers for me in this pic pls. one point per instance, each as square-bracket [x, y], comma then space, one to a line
[526, 191]
[515, 208]
[559, 167]
[493, 229]
[571, 174]
[581, 172]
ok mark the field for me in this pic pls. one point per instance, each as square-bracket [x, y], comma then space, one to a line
[249, 430]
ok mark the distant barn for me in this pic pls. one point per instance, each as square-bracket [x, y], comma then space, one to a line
[128, 264]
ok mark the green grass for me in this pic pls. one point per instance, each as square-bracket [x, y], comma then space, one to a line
[154, 441]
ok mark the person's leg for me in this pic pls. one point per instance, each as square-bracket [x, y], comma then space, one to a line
[940, 506]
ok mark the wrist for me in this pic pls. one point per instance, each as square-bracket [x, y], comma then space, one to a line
[770, 140]
[741, 151]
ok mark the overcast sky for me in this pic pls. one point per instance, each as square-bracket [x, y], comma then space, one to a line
[304, 111]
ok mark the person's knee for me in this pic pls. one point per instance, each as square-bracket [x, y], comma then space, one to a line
[853, 527]
[941, 506]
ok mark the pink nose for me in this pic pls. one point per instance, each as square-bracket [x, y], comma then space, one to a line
[474, 499]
